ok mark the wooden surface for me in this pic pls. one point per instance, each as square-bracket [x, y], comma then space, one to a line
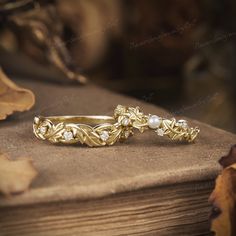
[80, 172]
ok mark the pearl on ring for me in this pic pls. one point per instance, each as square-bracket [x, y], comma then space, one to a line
[154, 121]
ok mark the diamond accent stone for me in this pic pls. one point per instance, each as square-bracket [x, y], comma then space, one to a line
[43, 130]
[126, 133]
[182, 123]
[160, 132]
[125, 121]
[68, 135]
[104, 136]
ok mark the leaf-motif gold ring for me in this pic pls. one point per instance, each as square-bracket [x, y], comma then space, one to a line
[107, 130]
[174, 129]
[90, 130]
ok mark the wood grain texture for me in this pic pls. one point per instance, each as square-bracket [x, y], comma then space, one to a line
[174, 210]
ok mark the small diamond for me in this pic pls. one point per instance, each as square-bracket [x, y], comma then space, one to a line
[125, 121]
[68, 135]
[182, 123]
[126, 133]
[43, 130]
[160, 132]
[104, 136]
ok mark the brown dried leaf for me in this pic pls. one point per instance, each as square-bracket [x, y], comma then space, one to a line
[40, 38]
[13, 98]
[223, 198]
[15, 176]
[229, 159]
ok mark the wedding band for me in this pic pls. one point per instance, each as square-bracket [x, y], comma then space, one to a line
[174, 129]
[107, 130]
[90, 130]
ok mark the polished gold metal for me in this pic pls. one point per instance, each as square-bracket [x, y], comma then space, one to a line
[172, 128]
[90, 130]
[107, 130]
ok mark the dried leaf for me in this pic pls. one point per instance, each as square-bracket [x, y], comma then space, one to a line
[41, 33]
[15, 176]
[223, 198]
[13, 98]
[229, 159]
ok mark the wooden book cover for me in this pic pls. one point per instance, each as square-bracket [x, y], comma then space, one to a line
[147, 185]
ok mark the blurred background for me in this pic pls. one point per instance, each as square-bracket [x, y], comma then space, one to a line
[180, 55]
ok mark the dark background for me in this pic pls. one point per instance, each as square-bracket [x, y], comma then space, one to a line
[177, 54]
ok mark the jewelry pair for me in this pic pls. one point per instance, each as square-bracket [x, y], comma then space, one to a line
[107, 130]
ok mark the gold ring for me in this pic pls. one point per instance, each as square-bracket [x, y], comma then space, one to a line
[172, 128]
[90, 130]
[107, 130]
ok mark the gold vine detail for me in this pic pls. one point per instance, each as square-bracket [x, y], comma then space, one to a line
[108, 130]
[100, 135]
[172, 128]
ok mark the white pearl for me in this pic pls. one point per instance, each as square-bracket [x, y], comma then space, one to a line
[154, 122]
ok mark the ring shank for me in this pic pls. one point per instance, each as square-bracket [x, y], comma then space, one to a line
[89, 120]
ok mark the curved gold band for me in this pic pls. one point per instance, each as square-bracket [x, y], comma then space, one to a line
[92, 120]
[172, 128]
[107, 130]
[90, 130]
